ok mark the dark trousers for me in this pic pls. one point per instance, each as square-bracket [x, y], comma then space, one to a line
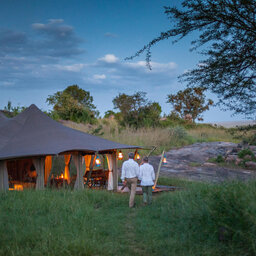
[147, 194]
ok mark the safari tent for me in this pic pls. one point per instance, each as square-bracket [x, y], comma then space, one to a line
[34, 138]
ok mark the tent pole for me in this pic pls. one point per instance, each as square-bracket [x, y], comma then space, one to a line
[158, 171]
[115, 171]
[93, 159]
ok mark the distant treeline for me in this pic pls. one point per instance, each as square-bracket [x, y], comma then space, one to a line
[136, 110]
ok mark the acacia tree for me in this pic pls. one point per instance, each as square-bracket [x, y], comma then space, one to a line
[136, 110]
[191, 101]
[226, 29]
[74, 104]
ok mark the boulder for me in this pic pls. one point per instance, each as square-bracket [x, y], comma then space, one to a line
[247, 157]
[231, 158]
[251, 165]
[238, 161]
[209, 164]
[252, 148]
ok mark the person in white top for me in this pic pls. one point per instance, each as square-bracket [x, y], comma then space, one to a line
[147, 177]
[129, 177]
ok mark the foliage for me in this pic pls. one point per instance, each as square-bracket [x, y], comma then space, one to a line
[226, 31]
[109, 113]
[246, 134]
[178, 132]
[161, 137]
[219, 159]
[97, 131]
[136, 110]
[204, 219]
[191, 101]
[11, 111]
[73, 104]
[201, 219]
[246, 152]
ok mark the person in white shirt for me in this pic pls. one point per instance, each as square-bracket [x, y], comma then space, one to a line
[147, 177]
[129, 177]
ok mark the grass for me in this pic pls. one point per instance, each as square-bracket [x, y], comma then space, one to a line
[201, 219]
[162, 138]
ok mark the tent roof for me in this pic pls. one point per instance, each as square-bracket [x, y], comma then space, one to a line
[33, 133]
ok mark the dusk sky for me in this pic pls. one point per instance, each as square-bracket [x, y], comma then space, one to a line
[47, 45]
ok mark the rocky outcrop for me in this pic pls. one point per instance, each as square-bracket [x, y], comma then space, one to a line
[191, 162]
[232, 156]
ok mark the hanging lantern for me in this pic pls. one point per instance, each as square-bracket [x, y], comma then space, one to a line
[137, 156]
[120, 155]
[97, 162]
[164, 160]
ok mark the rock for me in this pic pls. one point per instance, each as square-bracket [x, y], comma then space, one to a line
[229, 152]
[252, 148]
[231, 158]
[209, 164]
[239, 146]
[238, 161]
[181, 163]
[247, 157]
[251, 165]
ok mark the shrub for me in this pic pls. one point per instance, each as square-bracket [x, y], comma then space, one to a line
[219, 159]
[178, 132]
[246, 152]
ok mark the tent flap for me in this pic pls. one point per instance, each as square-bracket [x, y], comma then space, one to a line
[4, 183]
[39, 165]
[79, 184]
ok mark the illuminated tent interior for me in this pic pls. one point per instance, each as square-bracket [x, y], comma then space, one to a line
[29, 141]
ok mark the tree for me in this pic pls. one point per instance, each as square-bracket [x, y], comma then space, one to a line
[227, 29]
[136, 110]
[191, 101]
[74, 104]
[11, 111]
[109, 113]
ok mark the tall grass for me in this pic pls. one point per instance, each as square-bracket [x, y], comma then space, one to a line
[210, 134]
[163, 138]
[200, 219]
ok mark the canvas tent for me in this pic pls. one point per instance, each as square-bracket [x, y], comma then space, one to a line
[32, 134]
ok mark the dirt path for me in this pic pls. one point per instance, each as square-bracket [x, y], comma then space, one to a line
[190, 162]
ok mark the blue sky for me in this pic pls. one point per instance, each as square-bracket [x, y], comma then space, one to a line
[47, 45]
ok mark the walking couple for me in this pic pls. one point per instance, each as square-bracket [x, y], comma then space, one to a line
[131, 172]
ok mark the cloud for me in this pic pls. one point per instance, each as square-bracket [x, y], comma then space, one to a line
[12, 42]
[54, 39]
[134, 74]
[54, 28]
[109, 58]
[99, 77]
[71, 68]
[111, 35]
[46, 51]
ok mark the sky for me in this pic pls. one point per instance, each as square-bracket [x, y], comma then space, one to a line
[47, 45]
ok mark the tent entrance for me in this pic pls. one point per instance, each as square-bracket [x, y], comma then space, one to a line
[21, 174]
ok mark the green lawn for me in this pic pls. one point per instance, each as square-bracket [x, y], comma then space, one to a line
[191, 221]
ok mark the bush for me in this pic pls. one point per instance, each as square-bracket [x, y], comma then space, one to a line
[246, 152]
[219, 159]
[178, 132]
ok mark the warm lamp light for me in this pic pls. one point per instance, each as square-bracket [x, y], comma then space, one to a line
[120, 155]
[62, 176]
[97, 162]
[137, 156]
[18, 187]
[164, 159]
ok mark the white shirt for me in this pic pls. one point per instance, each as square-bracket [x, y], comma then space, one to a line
[130, 169]
[147, 175]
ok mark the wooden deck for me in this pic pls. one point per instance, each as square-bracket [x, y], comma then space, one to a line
[158, 189]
